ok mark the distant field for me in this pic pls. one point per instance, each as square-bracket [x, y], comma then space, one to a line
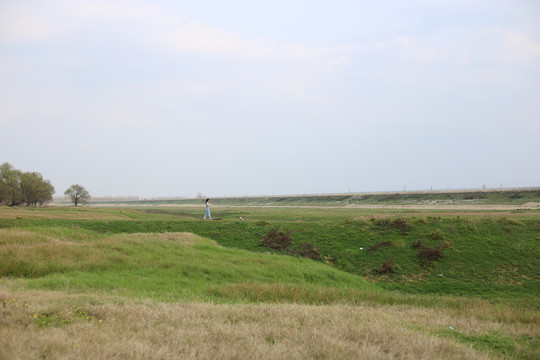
[158, 282]
[465, 197]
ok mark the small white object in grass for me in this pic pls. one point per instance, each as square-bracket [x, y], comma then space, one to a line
[361, 248]
[451, 328]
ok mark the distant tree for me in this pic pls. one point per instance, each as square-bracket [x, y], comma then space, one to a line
[78, 194]
[46, 192]
[10, 189]
[200, 195]
[35, 190]
[18, 188]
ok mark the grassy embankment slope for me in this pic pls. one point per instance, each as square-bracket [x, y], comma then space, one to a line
[468, 197]
[105, 262]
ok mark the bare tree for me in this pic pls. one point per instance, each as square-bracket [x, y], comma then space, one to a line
[78, 194]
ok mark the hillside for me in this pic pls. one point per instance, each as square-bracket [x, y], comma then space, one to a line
[492, 255]
[163, 266]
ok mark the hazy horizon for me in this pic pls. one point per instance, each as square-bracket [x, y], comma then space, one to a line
[174, 98]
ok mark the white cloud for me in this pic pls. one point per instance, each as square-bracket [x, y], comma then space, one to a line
[399, 41]
[198, 38]
[14, 29]
[522, 48]
[150, 25]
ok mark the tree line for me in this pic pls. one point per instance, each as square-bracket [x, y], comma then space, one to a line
[19, 188]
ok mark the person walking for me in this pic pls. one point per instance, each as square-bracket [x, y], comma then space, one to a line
[207, 213]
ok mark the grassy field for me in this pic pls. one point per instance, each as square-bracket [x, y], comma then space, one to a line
[155, 282]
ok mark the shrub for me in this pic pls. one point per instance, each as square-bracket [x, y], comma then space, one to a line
[436, 235]
[387, 267]
[398, 224]
[428, 255]
[309, 251]
[402, 225]
[276, 240]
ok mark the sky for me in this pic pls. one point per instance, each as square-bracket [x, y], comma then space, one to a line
[233, 98]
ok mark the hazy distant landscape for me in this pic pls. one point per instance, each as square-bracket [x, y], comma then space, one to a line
[528, 197]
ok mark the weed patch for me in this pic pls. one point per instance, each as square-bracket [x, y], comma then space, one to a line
[397, 224]
[276, 240]
[436, 235]
[309, 251]
[427, 255]
[387, 267]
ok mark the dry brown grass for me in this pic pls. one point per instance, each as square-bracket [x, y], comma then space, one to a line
[122, 329]
[26, 253]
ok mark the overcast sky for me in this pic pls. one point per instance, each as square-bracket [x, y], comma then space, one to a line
[172, 98]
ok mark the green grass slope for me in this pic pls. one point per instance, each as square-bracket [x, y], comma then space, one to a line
[494, 256]
[165, 267]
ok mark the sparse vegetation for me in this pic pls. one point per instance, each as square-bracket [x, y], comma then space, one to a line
[400, 224]
[436, 235]
[428, 255]
[387, 267]
[276, 240]
[309, 251]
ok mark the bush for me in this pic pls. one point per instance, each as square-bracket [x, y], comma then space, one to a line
[402, 225]
[387, 267]
[436, 235]
[309, 251]
[428, 255]
[276, 240]
[398, 224]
